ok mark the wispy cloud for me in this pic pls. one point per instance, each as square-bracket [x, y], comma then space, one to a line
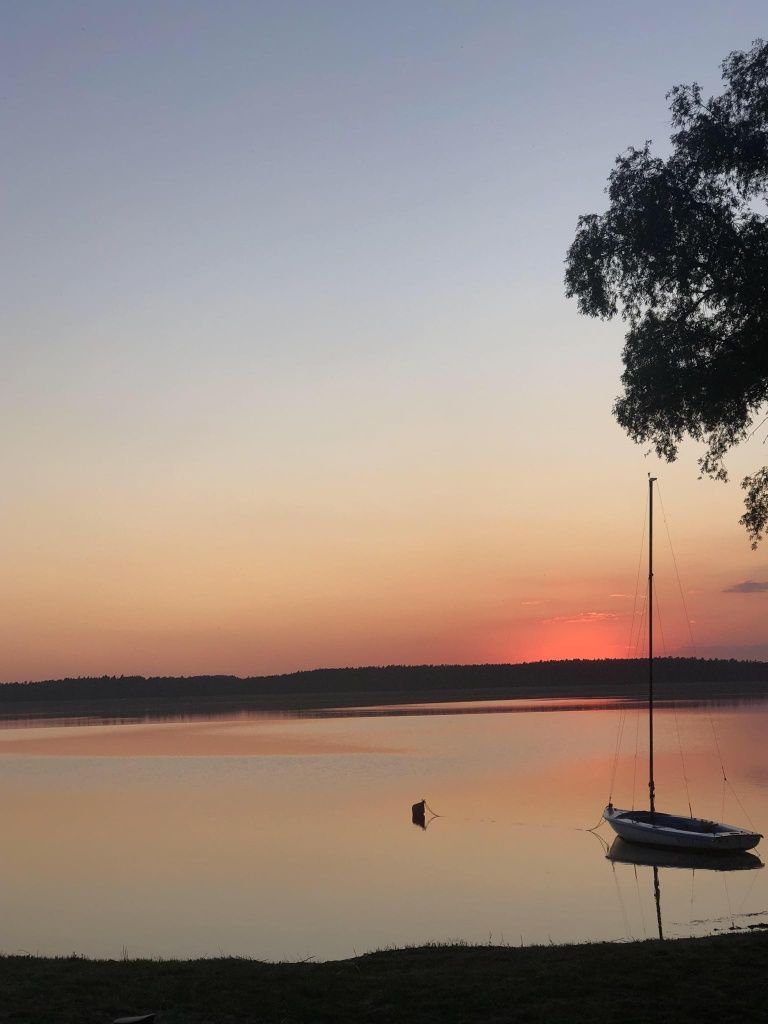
[530, 602]
[625, 597]
[747, 587]
[585, 617]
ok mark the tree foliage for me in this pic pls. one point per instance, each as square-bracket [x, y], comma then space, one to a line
[681, 254]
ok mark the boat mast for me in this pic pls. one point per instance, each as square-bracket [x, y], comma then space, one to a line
[651, 784]
[657, 898]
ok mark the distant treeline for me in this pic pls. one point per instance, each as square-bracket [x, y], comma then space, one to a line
[401, 683]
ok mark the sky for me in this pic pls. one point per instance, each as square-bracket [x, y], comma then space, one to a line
[289, 379]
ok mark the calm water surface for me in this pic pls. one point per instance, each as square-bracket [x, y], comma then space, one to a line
[285, 838]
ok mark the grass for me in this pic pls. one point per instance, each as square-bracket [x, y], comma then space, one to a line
[721, 978]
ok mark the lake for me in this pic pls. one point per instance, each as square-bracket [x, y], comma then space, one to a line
[287, 836]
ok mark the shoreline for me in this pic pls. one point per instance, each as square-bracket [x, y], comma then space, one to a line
[716, 977]
[387, 686]
[382, 703]
[388, 689]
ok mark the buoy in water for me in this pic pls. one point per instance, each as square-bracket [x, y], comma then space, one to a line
[419, 814]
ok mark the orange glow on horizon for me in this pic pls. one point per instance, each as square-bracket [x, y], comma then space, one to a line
[566, 641]
[279, 591]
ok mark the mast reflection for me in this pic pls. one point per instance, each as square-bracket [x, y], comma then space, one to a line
[621, 852]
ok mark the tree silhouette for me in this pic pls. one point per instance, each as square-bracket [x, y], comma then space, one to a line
[681, 254]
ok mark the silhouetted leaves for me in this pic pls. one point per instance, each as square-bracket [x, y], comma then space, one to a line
[681, 254]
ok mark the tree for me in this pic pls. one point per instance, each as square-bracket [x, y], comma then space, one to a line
[681, 254]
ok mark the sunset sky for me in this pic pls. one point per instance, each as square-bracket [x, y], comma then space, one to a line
[288, 375]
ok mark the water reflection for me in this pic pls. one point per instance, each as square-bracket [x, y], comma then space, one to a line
[283, 838]
[621, 852]
[222, 712]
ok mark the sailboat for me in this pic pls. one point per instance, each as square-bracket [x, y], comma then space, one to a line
[655, 828]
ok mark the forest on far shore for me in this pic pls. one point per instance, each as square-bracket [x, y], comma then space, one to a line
[684, 678]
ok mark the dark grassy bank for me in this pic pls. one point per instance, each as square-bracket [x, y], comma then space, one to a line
[676, 678]
[721, 978]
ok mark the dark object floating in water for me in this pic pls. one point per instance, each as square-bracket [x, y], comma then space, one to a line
[419, 814]
[145, 1018]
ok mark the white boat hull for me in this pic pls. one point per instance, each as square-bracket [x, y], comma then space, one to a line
[673, 831]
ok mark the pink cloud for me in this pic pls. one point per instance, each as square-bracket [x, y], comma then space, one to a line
[586, 617]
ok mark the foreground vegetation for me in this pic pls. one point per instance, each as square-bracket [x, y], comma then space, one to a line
[720, 978]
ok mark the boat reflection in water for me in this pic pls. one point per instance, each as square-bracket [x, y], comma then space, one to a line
[622, 852]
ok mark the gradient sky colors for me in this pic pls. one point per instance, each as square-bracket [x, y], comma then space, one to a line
[289, 379]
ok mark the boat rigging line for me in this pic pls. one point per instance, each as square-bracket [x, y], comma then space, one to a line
[726, 781]
[674, 703]
[664, 829]
[632, 650]
[634, 763]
